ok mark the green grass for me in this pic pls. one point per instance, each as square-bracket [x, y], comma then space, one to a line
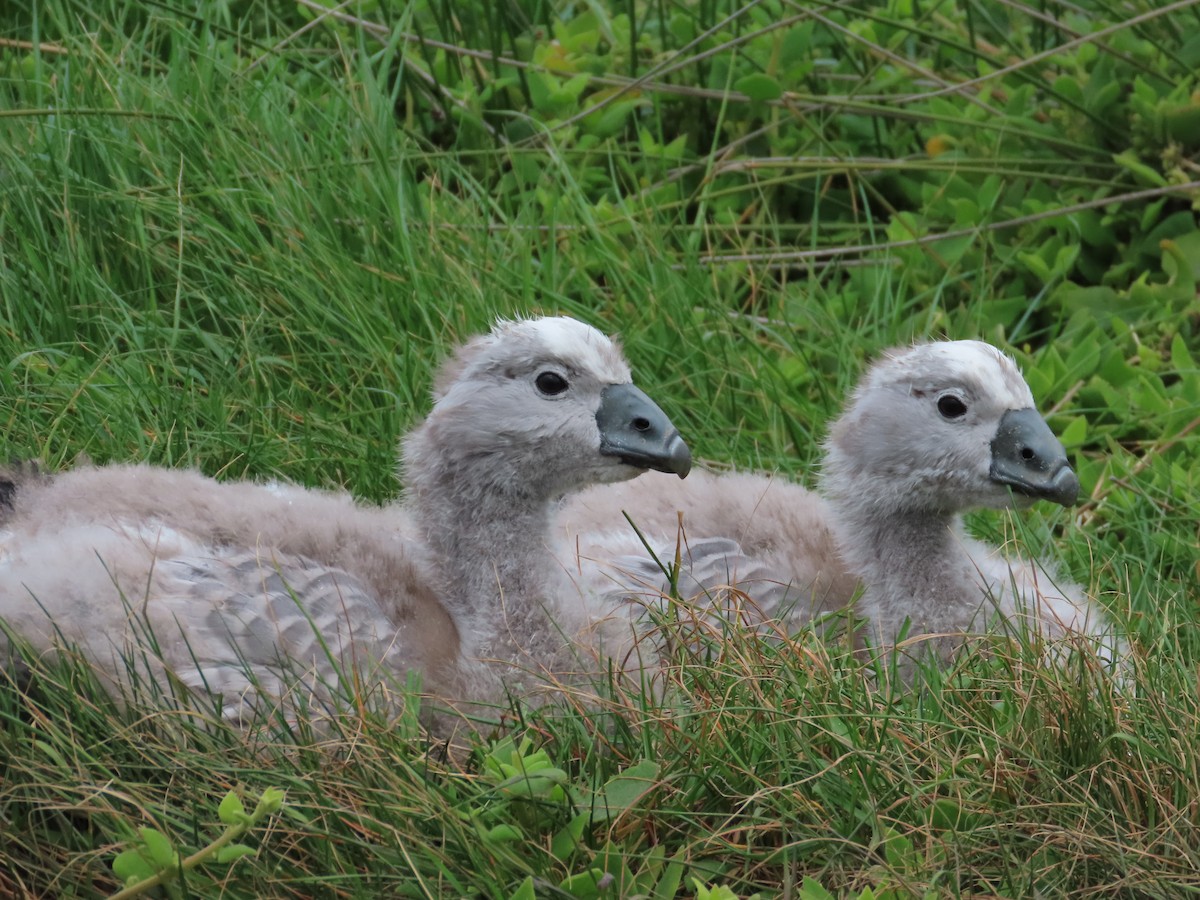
[230, 244]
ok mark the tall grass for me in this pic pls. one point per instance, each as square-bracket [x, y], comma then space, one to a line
[230, 244]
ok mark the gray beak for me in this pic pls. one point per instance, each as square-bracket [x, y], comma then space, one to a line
[636, 431]
[1027, 457]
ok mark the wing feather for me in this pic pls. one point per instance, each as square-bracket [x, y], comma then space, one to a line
[251, 628]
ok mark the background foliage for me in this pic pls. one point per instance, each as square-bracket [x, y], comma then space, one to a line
[238, 235]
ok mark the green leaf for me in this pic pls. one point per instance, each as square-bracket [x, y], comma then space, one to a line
[1075, 433]
[1065, 258]
[231, 852]
[898, 851]
[611, 118]
[1152, 214]
[1182, 123]
[811, 889]
[231, 811]
[586, 885]
[672, 878]
[502, 834]
[532, 786]
[1083, 360]
[1101, 95]
[1068, 88]
[612, 860]
[720, 892]
[269, 803]
[1035, 264]
[624, 790]
[1181, 258]
[131, 866]
[1181, 358]
[945, 814]
[158, 848]
[758, 86]
[1096, 300]
[648, 871]
[525, 891]
[1142, 173]
[542, 90]
[567, 839]
[575, 86]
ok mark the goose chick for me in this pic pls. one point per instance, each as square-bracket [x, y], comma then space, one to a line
[931, 432]
[522, 418]
[236, 589]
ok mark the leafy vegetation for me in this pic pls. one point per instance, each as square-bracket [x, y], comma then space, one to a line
[154, 860]
[238, 239]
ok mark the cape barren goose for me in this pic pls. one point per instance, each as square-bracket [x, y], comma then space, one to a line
[930, 432]
[234, 589]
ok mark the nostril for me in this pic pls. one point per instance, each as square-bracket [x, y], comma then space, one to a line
[1027, 454]
[641, 423]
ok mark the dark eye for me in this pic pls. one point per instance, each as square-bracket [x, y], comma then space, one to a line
[951, 407]
[551, 383]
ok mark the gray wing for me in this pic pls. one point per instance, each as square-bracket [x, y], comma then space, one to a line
[716, 585]
[250, 629]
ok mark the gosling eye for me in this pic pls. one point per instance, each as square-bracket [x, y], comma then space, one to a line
[951, 406]
[550, 384]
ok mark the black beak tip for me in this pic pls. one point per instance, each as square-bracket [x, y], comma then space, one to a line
[679, 457]
[1064, 488]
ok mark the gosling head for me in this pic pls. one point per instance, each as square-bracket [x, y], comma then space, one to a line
[542, 407]
[945, 427]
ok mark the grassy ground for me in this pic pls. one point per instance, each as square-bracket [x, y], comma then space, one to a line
[233, 244]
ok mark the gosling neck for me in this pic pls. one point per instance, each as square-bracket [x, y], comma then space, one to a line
[488, 538]
[913, 564]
